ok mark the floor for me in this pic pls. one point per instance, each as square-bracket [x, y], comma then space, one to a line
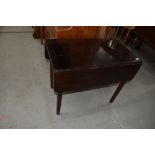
[26, 100]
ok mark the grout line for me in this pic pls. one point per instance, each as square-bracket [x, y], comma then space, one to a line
[117, 120]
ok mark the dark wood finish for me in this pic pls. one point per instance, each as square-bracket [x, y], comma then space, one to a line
[46, 53]
[120, 86]
[69, 32]
[59, 98]
[88, 63]
[77, 32]
[42, 34]
[51, 74]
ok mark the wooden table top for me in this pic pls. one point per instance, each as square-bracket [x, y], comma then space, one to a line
[88, 53]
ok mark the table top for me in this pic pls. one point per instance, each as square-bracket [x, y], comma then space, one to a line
[88, 53]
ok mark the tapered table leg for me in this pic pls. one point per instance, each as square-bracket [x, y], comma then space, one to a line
[59, 97]
[51, 75]
[41, 34]
[120, 86]
[46, 53]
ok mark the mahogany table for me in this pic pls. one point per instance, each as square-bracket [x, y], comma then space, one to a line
[77, 65]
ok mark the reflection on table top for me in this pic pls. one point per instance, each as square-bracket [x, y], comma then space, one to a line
[88, 53]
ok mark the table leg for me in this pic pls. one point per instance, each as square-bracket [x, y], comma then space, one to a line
[120, 86]
[59, 97]
[46, 53]
[41, 34]
[51, 75]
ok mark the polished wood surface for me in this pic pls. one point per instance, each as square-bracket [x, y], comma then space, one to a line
[88, 53]
[78, 32]
[82, 64]
[69, 32]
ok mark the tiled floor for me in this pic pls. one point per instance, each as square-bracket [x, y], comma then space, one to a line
[26, 100]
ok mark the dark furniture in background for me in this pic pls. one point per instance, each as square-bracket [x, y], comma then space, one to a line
[145, 33]
[77, 65]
